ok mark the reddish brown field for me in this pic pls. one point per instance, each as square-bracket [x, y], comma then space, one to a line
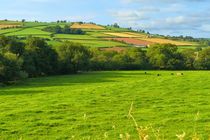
[132, 41]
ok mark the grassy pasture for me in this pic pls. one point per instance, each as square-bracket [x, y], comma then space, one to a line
[98, 43]
[71, 36]
[95, 105]
[98, 34]
[5, 31]
[28, 31]
[117, 29]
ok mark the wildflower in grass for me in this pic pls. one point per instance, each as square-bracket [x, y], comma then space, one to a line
[121, 136]
[113, 126]
[85, 117]
[181, 136]
[106, 135]
[127, 136]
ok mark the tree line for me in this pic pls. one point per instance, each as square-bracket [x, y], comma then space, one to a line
[34, 58]
[65, 30]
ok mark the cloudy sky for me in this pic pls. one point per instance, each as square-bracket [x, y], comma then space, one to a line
[173, 17]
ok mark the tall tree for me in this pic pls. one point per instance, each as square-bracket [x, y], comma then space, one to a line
[165, 56]
[39, 58]
[73, 57]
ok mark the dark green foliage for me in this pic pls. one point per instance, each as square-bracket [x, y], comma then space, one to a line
[39, 58]
[102, 60]
[73, 57]
[165, 56]
[203, 59]
[116, 25]
[10, 68]
[66, 30]
[133, 58]
[189, 58]
[36, 58]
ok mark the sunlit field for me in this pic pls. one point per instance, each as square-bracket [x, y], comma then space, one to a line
[95, 105]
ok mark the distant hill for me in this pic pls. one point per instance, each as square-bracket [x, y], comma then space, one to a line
[95, 35]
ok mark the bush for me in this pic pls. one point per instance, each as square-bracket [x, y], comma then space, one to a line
[10, 67]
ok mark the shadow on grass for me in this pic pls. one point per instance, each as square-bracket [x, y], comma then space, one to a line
[19, 92]
[27, 87]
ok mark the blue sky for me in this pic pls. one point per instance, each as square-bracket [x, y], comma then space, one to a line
[173, 17]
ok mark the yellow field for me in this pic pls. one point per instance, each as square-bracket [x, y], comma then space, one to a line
[137, 34]
[86, 26]
[126, 34]
[2, 26]
[164, 41]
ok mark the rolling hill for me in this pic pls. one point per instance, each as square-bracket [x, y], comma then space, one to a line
[95, 35]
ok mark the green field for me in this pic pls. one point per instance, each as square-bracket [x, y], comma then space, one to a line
[95, 105]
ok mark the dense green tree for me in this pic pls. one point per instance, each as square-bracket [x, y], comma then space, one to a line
[15, 47]
[133, 58]
[203, 59]
[66, 30]
[3, 41]
[39, 58]
[36, 58]
[189, 58]
[11, 68]
[73, 57]
[12, 45]
[116, 25]
[165, 56]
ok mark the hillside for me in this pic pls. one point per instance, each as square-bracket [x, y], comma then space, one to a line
[95, 35]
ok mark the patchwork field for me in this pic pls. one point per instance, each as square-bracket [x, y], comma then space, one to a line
[9, 26]
[132, 41]
[96, 105]
[163, 41]
[86, 26]
[99, 43]
[96, 36]
[124, 34]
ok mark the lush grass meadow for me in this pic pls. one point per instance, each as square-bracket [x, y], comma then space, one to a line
[95, 105]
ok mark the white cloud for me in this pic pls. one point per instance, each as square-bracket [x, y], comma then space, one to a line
[205, 28]
[128, 15]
